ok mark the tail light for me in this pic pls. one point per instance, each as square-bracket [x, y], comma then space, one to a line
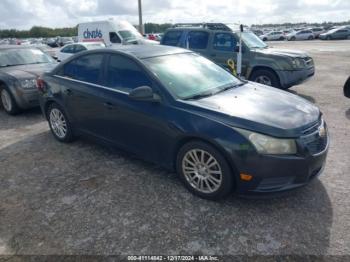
[40, 84]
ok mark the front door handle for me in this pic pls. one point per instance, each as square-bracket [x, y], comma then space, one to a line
[68, 91]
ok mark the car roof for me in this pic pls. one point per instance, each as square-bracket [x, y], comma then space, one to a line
[2, 47]
[147, 51]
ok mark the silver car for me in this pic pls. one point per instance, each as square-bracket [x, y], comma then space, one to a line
[19, 69]
[301, 35]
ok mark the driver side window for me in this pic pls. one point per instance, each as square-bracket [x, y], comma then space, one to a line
[124, 74]
[114, 38]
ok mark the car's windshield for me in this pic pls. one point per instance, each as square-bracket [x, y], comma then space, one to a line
[189, 75]
[13, 57]
[129, 35]
[252, 41]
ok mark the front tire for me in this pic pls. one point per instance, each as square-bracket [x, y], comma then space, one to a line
[59, 124]
[204, 171]
[8, 102]
[265, 77]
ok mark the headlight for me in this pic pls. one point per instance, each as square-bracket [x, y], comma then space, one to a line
[28, 83]
[298, 63]
[269, 145]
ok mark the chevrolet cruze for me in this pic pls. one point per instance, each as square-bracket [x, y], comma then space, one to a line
[176, 108]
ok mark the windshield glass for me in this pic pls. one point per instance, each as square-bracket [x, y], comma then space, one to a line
[129, 35]
[188, 75]
[252, 41]
[13, 57]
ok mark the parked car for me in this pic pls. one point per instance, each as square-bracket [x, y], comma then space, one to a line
[178, 109]
[62, 41]
[275, 35]
[317, 31]
[275, 67]
[19, 68]
[337, 33]
[301, 35]
[71, 49]
[347, 88]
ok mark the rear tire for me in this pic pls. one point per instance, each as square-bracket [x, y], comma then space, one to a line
[310, 37]
[204, 171]
[293, 38]
[8, 102]
[266, 77]
[59, 124]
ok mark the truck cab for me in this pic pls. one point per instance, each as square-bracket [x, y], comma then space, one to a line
[111, 33]
[260, 63]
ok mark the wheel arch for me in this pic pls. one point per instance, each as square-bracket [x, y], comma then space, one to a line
[260, 67]
[188, 139]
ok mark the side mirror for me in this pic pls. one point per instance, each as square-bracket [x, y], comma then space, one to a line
[347, 88]
[144, 93]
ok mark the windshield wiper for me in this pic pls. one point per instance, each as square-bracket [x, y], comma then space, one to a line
[231, 86]
[199, 96]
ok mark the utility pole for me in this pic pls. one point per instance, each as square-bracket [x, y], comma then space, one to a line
[140, 18]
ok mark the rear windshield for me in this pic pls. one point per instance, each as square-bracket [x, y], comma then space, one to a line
[172, 38]
[13, 57]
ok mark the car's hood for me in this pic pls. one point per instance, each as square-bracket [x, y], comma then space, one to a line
[281, 52]
[28, 71]
[262, 109]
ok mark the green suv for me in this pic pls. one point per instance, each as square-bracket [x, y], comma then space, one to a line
[260, 63]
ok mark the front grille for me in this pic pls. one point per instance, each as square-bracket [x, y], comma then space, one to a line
[316, 142]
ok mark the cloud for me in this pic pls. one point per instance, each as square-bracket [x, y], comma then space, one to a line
[23, 14]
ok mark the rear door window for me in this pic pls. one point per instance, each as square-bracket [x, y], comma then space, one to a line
[172, 38]
[79, 48]
[198, 39]
[68, 49]
[224, 42]
[125, 74]
[86, 68]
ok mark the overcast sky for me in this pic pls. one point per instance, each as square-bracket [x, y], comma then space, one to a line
[23, 14]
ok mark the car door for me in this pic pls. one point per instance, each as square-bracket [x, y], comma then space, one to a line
[137, 126]
[223, 45]
[80, 86]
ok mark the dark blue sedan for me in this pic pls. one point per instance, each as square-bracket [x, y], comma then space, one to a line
[178, 109]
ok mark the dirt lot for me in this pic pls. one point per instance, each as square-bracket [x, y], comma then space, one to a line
[83, 198]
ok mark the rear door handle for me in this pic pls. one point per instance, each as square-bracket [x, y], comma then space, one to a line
[109, 105]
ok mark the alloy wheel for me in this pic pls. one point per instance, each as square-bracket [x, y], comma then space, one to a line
[202, 171]
[6, 100]
[263, 80]
[58, 123]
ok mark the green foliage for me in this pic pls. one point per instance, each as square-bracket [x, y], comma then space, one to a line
[38, 31]
[156, 28]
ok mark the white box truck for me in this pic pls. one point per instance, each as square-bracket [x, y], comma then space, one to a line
[111, 33]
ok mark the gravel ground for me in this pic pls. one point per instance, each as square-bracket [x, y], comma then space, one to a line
[84, 198]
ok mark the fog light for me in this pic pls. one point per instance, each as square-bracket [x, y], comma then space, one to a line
[246, 177]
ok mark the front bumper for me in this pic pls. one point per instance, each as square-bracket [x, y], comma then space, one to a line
[27, 98]
[273, 173]
[296, 77]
